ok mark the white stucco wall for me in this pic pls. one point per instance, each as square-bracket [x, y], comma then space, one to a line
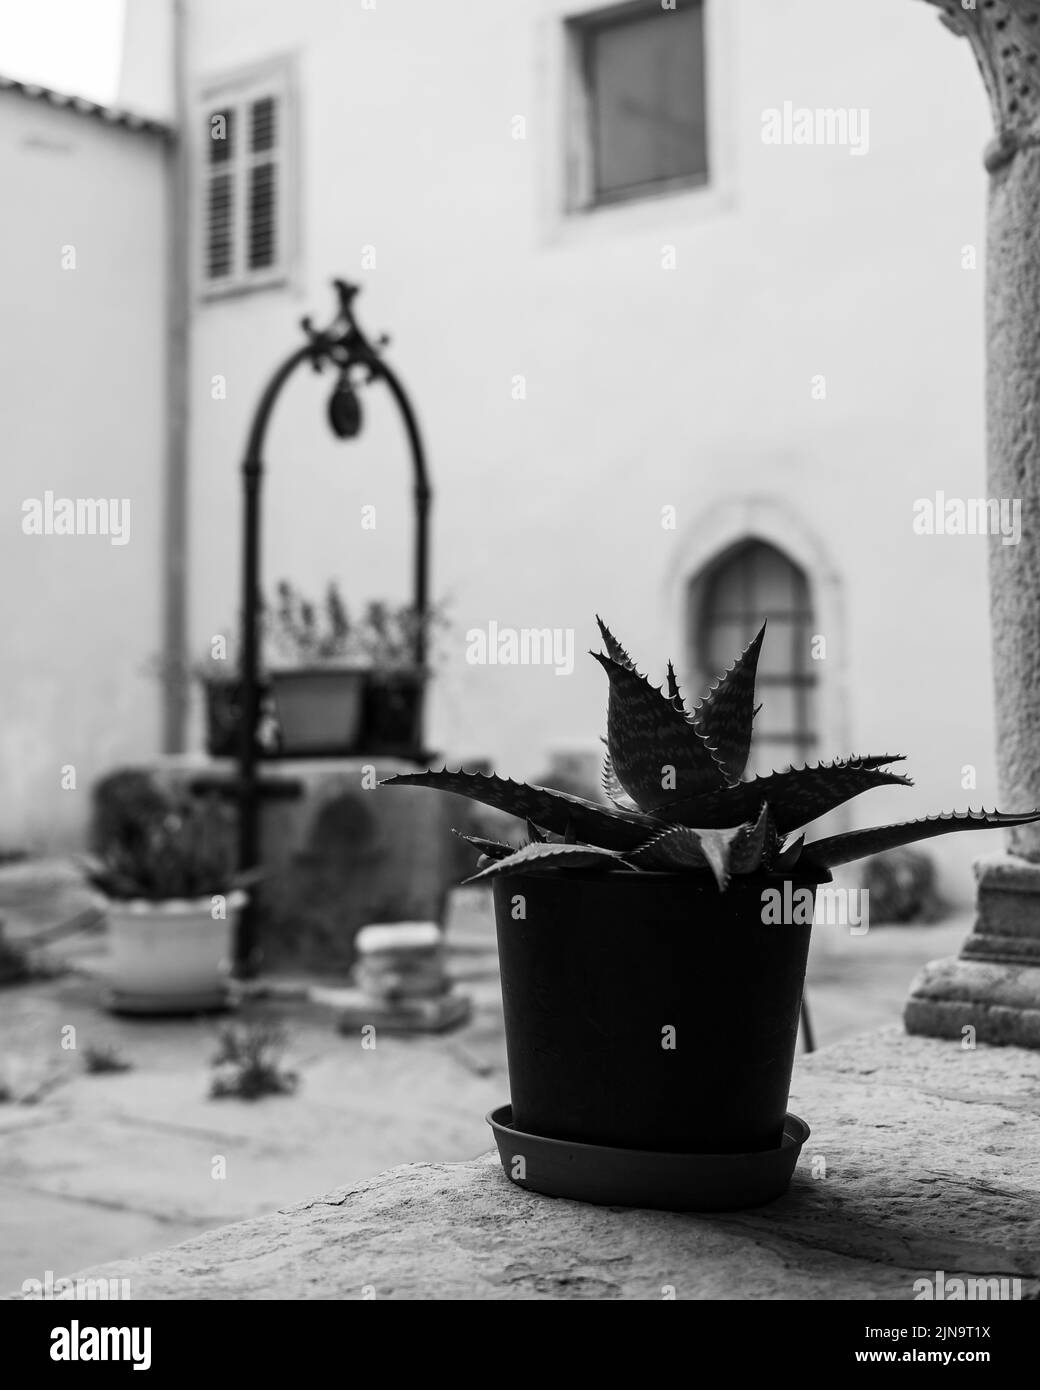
[645, 386]
[81, 362]
[146, 76]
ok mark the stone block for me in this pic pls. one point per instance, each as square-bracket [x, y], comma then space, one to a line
[993, 986]
[402, 960]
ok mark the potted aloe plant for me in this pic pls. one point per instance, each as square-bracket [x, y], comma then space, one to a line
[653, 949]
[173, 903]
[317, 675]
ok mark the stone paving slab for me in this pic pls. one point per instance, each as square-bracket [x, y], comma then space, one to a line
[931, 1164]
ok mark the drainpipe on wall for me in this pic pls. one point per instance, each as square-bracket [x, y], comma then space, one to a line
[175, 511]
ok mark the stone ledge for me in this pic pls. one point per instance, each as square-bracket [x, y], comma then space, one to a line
[998, 1000]
[931, 1164]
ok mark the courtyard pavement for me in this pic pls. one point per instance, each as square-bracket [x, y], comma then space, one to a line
[97, 1167]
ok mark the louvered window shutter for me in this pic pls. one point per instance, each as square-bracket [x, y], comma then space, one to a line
[245, 185]
[262, 249]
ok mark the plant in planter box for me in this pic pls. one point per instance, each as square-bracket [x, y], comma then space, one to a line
[653, 950]
[395, 684]
[317, 676]
[223, 696]
[221, 686]
[173, 903]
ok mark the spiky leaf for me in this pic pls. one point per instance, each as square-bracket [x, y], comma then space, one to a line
[613, 790]
[740, 850]
[856, 844]
[646, 735]
[683, 848]
[493, 849]
[555, 811]
[796, 797]
[674, 693]
[726, 713]
[615, 650]
[752, 843]
[789, 855]
[552, 856]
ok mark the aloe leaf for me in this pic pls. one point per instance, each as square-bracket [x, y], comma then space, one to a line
[684, 848]
[535, 835]
[555, 856]
[750, 846]
[789, 855]
[726, 712]
[555, 811]
[615, 650]
[494, 849]
[674, 694]
[855, 844]
[647, 735]
[677, 847]
[613, 790]
[796, 797]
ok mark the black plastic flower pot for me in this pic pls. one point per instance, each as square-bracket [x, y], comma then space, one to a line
[224, 716]
[393, 706]
[650, 1011]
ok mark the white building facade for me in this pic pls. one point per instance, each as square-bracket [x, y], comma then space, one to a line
[689, 299]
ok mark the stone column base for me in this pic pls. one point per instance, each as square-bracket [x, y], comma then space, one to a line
[993, 986]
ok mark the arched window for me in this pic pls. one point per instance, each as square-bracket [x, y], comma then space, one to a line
[753, 581]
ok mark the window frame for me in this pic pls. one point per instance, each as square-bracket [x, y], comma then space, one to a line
[580, 194]
[238, 90]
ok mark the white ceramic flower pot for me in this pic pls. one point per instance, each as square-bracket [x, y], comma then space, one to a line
[319, 709]
[171, 956]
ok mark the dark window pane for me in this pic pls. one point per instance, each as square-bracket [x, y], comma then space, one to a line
[725, 641]
[262, 229]
[264, 127]
[219, 227]
[220, 132]
[646, 81]
[752, 582]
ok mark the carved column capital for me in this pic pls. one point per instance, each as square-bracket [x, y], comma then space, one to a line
[1005, 38]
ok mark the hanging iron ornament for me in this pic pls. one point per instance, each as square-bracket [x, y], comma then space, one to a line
[345, 409]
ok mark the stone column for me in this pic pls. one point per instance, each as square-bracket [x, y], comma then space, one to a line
[994, 985]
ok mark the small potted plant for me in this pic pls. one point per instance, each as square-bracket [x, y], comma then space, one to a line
[317, 675]
[173, 904]
[221, 685]
[395, 683]
[222, 695]
[653, 949]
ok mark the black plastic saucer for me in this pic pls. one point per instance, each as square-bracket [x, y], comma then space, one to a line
[637, 1178]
